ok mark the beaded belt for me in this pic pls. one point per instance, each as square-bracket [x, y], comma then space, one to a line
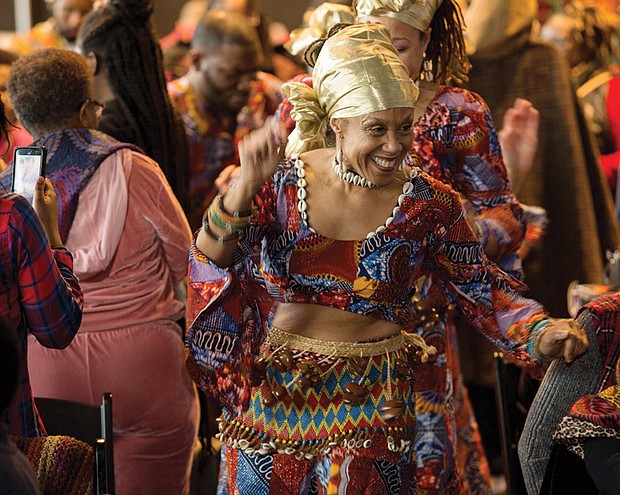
[309, 396]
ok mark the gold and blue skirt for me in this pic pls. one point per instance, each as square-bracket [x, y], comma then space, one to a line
[325, 417]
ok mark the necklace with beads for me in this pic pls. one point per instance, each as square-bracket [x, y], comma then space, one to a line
[348, 175]
[302, 206]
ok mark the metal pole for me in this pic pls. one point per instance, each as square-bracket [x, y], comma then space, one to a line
[23, 15]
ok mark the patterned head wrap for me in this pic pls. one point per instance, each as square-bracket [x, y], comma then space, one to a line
[416, 13]
[357, 72]
[319, 23]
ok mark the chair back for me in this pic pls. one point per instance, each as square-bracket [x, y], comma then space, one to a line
[90, 424]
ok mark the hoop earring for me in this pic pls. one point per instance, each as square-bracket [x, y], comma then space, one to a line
[427, 74]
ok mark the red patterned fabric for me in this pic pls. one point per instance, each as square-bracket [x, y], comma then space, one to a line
[598, 415]
[212, 146]
[605, 312]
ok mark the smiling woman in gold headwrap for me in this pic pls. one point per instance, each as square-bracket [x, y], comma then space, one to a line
[302, 279]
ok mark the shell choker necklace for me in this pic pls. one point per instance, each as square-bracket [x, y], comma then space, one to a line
[348, 175]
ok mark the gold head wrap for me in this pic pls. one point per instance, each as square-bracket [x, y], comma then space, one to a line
[416, 13]
[319, 23]
[357, 72]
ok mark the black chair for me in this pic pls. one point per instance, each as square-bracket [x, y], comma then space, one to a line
[92, 425]
[566, 473]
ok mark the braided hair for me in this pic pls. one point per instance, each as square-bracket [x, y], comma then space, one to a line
[122, 36]
[446, 47]
[313, 51]
[4, 126]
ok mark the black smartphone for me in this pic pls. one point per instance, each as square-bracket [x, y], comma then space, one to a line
[28, 165]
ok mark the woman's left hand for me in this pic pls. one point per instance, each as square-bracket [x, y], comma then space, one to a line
[564, 338]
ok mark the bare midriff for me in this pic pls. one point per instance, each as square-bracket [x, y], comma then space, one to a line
[326, 323]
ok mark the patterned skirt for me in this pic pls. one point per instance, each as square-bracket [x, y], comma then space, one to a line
[325, 417]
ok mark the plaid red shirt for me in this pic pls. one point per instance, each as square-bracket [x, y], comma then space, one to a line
[39, 294]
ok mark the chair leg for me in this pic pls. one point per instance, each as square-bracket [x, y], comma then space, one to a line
[107, 433]
[506, 394]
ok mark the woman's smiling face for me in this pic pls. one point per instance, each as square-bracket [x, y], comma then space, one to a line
[375, 145]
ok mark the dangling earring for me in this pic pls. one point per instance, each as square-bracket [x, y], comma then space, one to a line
[428, 70]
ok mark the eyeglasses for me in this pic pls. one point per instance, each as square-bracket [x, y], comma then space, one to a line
[99, 107]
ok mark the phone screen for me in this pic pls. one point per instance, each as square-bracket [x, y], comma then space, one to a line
[28, 165]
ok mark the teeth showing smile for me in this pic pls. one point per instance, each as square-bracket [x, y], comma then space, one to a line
[384, 163]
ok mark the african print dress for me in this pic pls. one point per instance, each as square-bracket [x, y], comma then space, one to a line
[271, 444]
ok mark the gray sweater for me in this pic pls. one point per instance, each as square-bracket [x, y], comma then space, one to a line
[562, 386]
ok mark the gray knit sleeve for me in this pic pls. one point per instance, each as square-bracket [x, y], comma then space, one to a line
[562, 385]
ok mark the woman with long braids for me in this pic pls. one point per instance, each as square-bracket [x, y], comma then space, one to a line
[123, 51]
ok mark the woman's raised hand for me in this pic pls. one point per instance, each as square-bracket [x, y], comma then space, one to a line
[519, 140]
[564, 338]
[260, 153]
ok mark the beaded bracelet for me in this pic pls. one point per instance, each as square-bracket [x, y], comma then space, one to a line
[232, 223]
[533, 350]
[218, 238]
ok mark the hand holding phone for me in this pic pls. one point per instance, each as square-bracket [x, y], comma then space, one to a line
[28, 166]
[46, 206]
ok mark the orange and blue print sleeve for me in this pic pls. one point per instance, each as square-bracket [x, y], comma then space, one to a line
[228, 312]
[480, 175]
[488, 297]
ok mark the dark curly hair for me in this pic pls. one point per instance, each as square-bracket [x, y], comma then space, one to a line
[314, 49]
[122, 36]
[48, 87]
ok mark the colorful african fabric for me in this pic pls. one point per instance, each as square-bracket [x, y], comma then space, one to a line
[565, 179]
[308, 437]
[592, 416]
[212, 147]
[455, 141]
[281, 259]
[42, 35]
[605, 314]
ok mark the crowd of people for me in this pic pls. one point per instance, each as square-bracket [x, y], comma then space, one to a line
[297, 255]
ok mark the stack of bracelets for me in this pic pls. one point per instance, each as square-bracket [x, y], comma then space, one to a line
[233, 223]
